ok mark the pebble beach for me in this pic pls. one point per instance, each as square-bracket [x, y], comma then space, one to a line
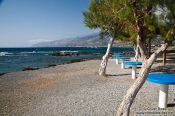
[77, 90]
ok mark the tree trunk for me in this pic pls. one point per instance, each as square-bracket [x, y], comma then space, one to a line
[141, 32]
[124, 108]
[149, 46]
[103, 65]
[141, 48]
[164, 54]
[136, 53]
[164, 57]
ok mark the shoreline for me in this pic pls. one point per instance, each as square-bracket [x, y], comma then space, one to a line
[50, 65]
[34, 58]
[96, 56]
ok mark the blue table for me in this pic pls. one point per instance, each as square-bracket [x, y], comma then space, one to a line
[115, 55]
[164, 80]
[122, 58]
[134, 65]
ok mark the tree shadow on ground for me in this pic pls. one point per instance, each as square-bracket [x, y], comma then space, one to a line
[108, 75]
[165, 69]
[169, 60]
[171, 105]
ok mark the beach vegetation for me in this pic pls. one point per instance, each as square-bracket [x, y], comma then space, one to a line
[146, 19]
[108, 17]
[166, 29]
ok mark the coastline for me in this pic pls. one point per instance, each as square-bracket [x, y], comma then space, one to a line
[50, 65]
[73, 89]
[16, 59]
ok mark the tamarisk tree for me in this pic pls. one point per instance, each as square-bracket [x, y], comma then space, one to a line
[105, 15]
[124, 108]
[116, 17]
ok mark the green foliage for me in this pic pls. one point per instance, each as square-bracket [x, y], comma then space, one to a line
[118, 18]
[167, 19]
[109, 16]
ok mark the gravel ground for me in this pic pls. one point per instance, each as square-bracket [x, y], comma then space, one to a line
[75, 90]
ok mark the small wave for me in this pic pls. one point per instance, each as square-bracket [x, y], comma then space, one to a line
[5, 54]
[44, 52]
[11, 54]
[37, 52]
[33, 52]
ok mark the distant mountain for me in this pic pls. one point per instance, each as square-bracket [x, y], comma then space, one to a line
[85, 41]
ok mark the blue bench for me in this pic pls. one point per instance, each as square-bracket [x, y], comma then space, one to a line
[134, 65]
[164, 80]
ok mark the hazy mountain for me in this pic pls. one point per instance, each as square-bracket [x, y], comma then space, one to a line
[85, 41]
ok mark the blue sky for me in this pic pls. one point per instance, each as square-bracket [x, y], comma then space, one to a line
[25, 22]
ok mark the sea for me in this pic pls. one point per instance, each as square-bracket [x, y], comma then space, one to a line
[16, 59]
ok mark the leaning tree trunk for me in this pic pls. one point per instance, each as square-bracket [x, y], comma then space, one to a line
[124, 108]
[103, 65]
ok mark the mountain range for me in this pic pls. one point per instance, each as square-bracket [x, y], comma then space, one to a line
[92, 40]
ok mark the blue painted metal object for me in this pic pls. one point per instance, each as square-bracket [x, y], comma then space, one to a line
[162, 78]
[132, 63]
[123, 58]
[117, 55]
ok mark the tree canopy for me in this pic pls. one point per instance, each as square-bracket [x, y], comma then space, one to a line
[110, 17]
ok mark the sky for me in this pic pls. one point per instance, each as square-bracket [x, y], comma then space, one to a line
[25, 22]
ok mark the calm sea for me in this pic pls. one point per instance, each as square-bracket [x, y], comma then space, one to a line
[16, 59]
